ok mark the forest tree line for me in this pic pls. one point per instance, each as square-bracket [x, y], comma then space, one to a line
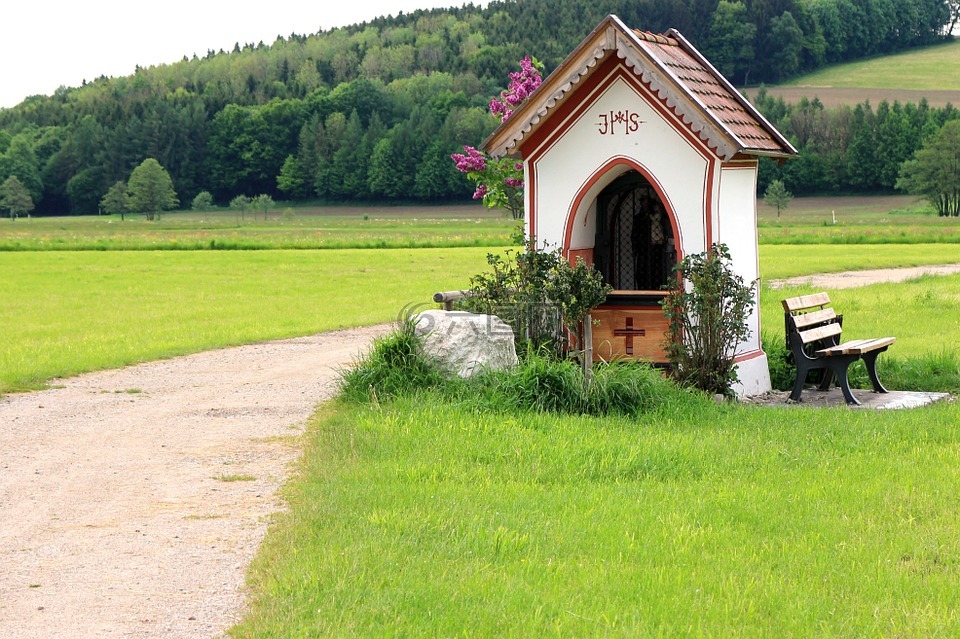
[845, 149]
[373, 111]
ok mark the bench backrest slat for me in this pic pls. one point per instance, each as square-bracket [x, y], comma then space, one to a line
[821, 332]
[803, 302]
[814, 317]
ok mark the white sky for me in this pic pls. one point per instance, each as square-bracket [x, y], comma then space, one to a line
[48, 43]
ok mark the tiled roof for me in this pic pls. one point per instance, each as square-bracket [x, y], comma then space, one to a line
[675, 71]
[707, 86]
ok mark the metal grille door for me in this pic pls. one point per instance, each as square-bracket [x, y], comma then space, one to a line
[641, 240]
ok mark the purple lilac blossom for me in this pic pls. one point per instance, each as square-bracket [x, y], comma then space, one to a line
[472, 161]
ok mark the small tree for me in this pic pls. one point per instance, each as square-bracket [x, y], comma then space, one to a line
[777, 196]
[15, 198]
[707, 313]
[240, 204]
[292, 180]
[934, 171]
[202, 202]
[117, 200]
[262, 202]
[151, 189]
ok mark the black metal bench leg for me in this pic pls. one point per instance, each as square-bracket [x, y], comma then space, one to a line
[870, 361]
[844, 383]
[827, 379]
[798, 385]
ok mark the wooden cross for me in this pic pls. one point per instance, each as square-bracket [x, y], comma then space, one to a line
[629, 333]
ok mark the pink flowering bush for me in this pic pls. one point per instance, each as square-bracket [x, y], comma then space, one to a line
[500, 181]
[522, 84]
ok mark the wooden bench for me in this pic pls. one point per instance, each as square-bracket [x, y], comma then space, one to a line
[813, 336]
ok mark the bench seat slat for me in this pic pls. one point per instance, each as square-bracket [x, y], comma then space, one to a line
[803, 302]
[814, 317]
[821, 332]
[857, 346]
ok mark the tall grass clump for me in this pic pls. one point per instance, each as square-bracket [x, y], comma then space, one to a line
[931, 372]
[397, 366]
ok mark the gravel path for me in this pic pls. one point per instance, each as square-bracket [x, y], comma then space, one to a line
[853, 279]
[133, 500]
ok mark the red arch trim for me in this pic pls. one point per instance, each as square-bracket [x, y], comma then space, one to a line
[596, 177]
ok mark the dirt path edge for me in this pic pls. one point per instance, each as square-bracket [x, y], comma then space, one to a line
[133, 500]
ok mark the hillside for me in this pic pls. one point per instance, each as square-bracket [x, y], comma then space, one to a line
[373, 111]
[933, 67]
[931, 72]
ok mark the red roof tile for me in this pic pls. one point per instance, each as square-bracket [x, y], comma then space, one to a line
[705, 84]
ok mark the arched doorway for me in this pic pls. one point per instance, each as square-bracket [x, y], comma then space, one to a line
[635, 248]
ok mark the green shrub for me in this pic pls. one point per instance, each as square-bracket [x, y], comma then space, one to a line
[707, 313]
[539, 294]
[202, 202]
[782, 371]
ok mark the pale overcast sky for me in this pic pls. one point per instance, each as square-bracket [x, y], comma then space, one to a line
[48, 43]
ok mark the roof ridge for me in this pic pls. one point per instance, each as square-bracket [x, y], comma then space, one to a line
[655, 37]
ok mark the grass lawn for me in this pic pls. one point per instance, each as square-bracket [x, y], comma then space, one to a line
[308, 228]
[930, 67]
[421, 519]
[889, 219]
[780, 261]
[70, 312]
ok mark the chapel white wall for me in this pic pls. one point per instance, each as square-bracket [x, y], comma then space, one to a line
[574, 158]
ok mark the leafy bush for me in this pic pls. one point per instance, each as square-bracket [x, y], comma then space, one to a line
[782, 371]
[202, 202]
[539, 294]
[707, 312]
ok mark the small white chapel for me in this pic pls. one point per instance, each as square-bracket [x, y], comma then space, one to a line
[636, 152]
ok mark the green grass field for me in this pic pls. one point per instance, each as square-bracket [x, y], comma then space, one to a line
[419, 518]
[422, 517]
[931, 67]
[307, 228]
[71, 312]
[85, 310]
[789, 260]
[88, 310]
[856, 220]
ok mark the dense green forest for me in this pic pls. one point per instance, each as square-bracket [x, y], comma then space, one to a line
[373, 111]
[848, 149]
